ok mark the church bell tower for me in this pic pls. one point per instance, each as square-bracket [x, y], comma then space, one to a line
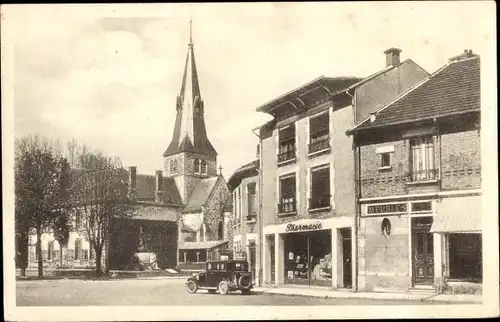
[190, 157]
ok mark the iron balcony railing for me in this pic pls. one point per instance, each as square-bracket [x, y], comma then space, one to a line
[424, 175]
[286, 156]
[319, 145]
[319, 202]
[287, 205]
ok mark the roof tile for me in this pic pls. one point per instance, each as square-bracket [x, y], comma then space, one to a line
[454, 89]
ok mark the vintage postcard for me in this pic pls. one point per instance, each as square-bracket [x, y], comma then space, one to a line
[245, 161]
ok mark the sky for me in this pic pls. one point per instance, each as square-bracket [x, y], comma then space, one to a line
[108, 75]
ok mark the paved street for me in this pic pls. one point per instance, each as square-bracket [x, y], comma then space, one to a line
[156, 292]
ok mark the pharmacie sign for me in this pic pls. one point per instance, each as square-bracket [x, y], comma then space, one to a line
[291, 228]
[387, 208]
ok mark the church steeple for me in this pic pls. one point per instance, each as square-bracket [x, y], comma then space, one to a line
[190, 133]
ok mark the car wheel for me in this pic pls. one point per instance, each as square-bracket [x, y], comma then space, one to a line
[191, 287]
[245, 291]
[223, 287]
[212, 291]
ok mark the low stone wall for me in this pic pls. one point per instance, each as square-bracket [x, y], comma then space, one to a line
[463, 288]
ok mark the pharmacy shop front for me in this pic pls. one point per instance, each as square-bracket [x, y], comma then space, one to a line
[314, 252]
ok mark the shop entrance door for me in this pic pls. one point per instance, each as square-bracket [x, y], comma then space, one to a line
[423, 251]
[347, 256]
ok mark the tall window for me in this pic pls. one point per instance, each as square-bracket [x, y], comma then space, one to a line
[196, 166]
[220, 231]
[319, 137]
[51, 250]
[78, 249]
[422, 159]
[287, 200]
[286, 147]
[173, 167]
[203, 167]
[251, 194]
[91, 252]
[320, 187]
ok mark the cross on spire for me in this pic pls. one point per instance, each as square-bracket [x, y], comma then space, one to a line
[190, 31]
[220, 170]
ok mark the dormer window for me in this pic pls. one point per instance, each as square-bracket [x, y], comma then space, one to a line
[197, 166]
[203, 167]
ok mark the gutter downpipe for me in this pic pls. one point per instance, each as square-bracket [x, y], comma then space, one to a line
[259, 218]
[357, 208]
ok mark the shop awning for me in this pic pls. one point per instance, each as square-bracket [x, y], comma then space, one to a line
[458, 215]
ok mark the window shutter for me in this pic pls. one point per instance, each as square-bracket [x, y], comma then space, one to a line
[45, 255]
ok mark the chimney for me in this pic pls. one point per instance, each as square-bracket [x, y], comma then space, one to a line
[159, 180]
[392, 56]
[132, 179]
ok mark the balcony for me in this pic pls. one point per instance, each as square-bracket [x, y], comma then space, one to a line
[319, 145]
[423, 176]
[319, 203]
[287, 206]
[286, 157]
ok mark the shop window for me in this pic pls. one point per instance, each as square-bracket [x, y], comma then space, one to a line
[422, 159]
[320, 188]
[308, 258]
[196, 166]
[287, 189]
[386, 227]
[286, 146]
[203, 167]
[465, 254]
[319, 133]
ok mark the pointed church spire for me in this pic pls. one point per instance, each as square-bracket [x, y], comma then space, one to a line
[189, 130]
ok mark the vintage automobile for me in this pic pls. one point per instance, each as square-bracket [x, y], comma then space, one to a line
[223, 276]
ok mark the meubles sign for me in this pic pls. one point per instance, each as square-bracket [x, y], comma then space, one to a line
[388, 208]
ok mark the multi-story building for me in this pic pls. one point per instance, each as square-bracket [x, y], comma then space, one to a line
[419, 184]
[307, 173]
[244, 185]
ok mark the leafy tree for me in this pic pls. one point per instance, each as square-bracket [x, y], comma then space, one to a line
[42, 182]
[101, 195]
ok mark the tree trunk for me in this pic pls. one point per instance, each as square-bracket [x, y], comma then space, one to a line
[98, 267]
[39, 251]
[61, 254]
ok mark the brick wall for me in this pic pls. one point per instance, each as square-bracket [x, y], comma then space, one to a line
[383, 261]
[461, 160]
[375, 182]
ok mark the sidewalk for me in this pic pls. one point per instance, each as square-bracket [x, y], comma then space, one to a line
[420, 296]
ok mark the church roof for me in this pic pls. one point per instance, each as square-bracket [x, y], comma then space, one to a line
[145, 189]
[190, 134]
[200, 194]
